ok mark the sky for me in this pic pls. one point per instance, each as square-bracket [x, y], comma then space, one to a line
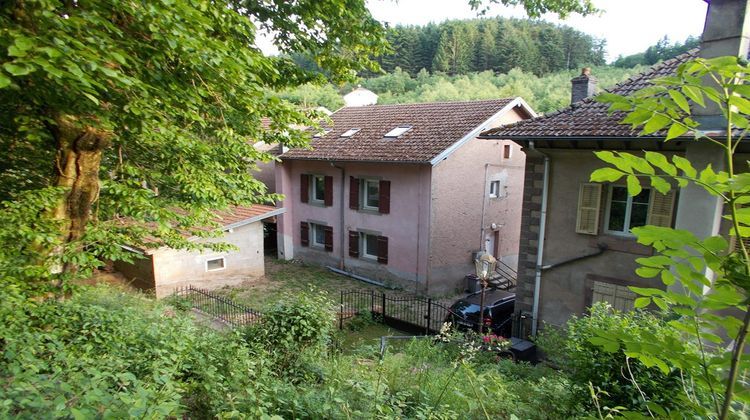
[628, 26]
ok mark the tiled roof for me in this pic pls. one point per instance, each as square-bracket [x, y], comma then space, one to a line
[588, 118]
[435, 127]
[238, 214]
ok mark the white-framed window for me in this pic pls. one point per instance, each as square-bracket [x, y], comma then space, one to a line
[495, 189]
[625, 212]
[322, 133]
[370, 194]
[215, 264]
[398, 131]
[318, 188]
[350, 132]
[317, 235]
[368, 245]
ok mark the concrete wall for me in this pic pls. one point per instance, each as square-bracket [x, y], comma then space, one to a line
[463, 212]
[167, 269]
[406, 226]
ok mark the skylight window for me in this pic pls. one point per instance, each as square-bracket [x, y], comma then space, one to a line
[350, 132]
[322, 132]
[398, 131]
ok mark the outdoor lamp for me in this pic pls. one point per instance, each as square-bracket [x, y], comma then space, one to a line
[485, 265]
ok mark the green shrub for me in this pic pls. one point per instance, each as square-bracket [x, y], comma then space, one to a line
[571, 350]
[105, 353]
[292, 333]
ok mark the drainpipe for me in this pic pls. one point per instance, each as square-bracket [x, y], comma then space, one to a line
[540, 243]
[341, 203]
[484, 204]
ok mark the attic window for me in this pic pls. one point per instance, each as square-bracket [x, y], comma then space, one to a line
[350, 132]
[322, 133]
[398, 131]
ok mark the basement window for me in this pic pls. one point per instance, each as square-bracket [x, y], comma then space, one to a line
[350, 132]
[398, 131]
[215, 264]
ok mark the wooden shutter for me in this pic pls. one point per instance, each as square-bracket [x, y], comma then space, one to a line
[328, 193]
[328, 234]
[385, 197]
[304, 233]
[304, 188]
[353, 193]
[662, 206]
[589, 201]
[383, 249]
[354, 243]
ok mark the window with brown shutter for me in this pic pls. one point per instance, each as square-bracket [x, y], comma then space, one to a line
[589, 202]
[304, 233]
[328, 200]
[304, 188]
[353, 193]
[385, 197]
[661, 209]
[383, 249]
[328, 238]
[354, 243]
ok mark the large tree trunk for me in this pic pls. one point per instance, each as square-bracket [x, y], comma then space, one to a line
[79, 155]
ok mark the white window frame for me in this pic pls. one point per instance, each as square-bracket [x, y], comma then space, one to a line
[350, 132]
[314, 227]
[494, 185]
[314, 189]
[397, 131]
[628, 211]
[223, 264]
[363, 245]
[364, 194]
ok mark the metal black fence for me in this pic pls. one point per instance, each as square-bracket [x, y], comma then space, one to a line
[216, 306]
[417, 315]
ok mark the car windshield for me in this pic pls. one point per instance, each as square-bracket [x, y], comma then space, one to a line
[466, 309]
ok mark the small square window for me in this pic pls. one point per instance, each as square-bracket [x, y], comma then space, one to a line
[506, 151]
[398, 131]
[369, 245]
[494, 189]
[370, 194]
[318, 188]
[317, 235]
[322, 133]
[350, 132]
[215, 264]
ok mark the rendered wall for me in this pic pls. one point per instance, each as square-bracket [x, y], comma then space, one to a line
[463, 212]
[406, 225]
[567, 290]
[175, 268]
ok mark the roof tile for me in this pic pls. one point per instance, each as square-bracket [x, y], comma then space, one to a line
[588, 118]
[435, 127]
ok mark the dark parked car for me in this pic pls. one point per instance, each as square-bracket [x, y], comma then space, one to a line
[498, 311]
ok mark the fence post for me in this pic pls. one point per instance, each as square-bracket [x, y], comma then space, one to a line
[341, 312]
[429, 316]
[383, 320]
[372, 303]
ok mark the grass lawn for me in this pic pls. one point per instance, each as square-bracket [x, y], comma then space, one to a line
[285, 277]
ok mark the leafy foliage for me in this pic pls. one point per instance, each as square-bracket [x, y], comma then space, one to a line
[582, 351]
[545, 94]
[705, 309]
[144, 116]
[662, 50]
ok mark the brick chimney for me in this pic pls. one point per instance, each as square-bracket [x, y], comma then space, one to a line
[583, 86]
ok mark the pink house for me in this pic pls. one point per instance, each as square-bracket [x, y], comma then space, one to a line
[405, 194]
